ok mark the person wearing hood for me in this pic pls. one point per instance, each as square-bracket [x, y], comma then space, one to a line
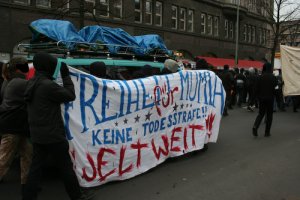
[44, 98]
[98, 69]
[13, 118]
[265, 91]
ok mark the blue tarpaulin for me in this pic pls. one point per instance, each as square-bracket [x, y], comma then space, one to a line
[57, 30]
[115, 39]
[151, 43]
[108, 36]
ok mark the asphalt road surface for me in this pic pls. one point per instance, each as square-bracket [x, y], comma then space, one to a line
[237, 167]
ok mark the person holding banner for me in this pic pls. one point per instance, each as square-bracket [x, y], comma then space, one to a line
[44, 98]
[265, 92]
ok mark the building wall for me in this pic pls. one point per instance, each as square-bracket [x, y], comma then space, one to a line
[15, 18]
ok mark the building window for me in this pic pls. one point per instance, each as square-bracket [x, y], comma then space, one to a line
[174, 17]
[253, 34]
[263, 36]
[190, 21]
[249, 33]
[203, 23]
[117, 6]
[89, 5]
[182, 19]
[269, 37]
[245, 33]
[226, 28]
[26, 2]
[104, 8]
[148, 12]
[216, 26]
[158, 13]
[260, 35]
[209, 25]
[231, 30]
[43, 3]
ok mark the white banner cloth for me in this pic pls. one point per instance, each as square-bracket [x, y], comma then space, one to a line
[120, 129]
[290, 64]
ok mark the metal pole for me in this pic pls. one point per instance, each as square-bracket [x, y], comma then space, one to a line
[237, 34]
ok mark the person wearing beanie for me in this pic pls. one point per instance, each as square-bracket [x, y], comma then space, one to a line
[265, 91]
[13, 118]
[44, 98]
[170, 66]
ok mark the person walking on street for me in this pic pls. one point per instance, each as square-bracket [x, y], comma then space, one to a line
[13, 119]
[265, 91]
[47, 130]
[240, 86]
[228, 82]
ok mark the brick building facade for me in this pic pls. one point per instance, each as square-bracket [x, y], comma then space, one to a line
[193, 27]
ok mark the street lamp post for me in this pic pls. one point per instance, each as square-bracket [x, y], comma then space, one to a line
[237, 34]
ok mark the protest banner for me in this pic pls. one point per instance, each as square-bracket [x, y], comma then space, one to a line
[290, 64]
[120, 129]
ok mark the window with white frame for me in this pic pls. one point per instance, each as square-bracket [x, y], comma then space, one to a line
[138, 16]
[190, 21]
[253, 34]
[104, 8]
[216, 26]
[174, 17]
[182, 19]
[158, 13]
[260, 35]
[268, 37]
[148, 12]
[264, 36]
[209, 25]
[226, 28]
[25, 2]
[117, 9]
[203, 23]
[43, 3]
[245, 33]
[249, 33]
[231, 30]
[89, 6]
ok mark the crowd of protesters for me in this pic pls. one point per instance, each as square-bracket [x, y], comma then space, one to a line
[32, 126]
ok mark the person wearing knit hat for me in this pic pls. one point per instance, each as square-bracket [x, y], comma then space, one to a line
[47, 131]
[171, 65]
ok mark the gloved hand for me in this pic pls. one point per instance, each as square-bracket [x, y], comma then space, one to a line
[64, 70]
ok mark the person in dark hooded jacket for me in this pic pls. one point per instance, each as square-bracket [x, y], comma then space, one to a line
[265, 91]
[47, 130]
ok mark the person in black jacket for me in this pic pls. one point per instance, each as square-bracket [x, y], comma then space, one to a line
[228, 83]
[265, 91]
[13, 118]
[47, 130]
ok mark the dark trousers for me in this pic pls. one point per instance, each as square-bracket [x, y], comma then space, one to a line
[240, 93]
[251, 100]
[265, 107]
[227, 101]
[60, 152]
[279, 99]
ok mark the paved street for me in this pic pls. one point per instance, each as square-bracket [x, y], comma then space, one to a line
[237, 167]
